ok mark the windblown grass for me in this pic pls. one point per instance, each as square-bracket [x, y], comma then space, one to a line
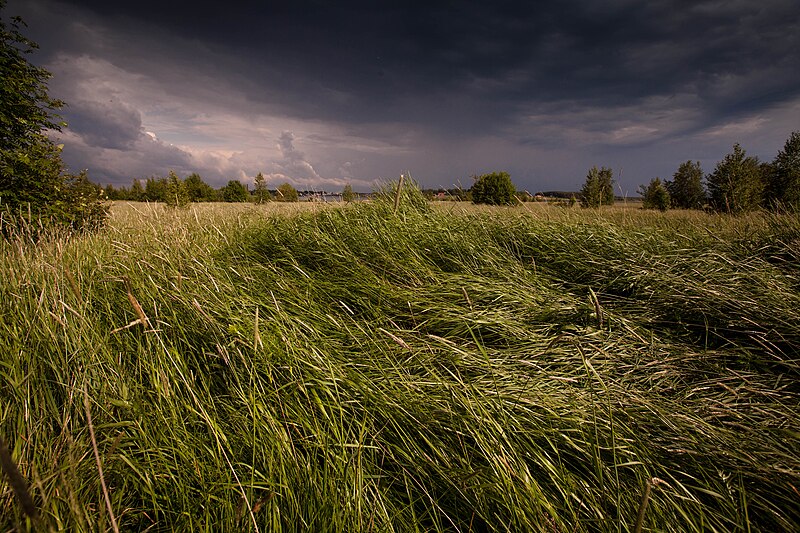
[349, 369]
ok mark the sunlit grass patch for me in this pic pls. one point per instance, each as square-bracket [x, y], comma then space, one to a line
[443, 368]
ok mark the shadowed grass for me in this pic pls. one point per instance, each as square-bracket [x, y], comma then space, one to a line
[438, 369]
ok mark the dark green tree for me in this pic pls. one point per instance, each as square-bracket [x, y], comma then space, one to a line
[32, 177]
[655, 195]
[686, 189]
[118, 193]
[155, 189]
[783, 178]
[347, 193]
[198, 190]
[260, 191]
[598, 189]
[493, 189]
[85, 199]
[737, 183]
[287, 193]
[137, 193]
[234, 191]
[176, 195]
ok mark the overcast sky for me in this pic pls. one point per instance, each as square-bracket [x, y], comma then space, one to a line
[321, 94]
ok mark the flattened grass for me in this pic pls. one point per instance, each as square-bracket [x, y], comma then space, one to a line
[349, 369]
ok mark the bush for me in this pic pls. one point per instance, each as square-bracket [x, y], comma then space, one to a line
[84, 206]
[493, 189]
[655, 195]
[287, 193]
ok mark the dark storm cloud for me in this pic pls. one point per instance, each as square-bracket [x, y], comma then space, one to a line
[366, 61]
[366, 84]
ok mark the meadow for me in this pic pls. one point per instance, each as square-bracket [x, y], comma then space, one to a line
[443, 367]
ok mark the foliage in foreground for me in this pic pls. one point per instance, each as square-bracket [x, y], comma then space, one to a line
[35, 190]
[355, 370]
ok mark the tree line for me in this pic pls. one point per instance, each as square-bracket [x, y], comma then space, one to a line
[738, 184]
[174, 191]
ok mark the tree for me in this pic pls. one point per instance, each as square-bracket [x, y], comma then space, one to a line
[198, 190]
[655, 195]
[234, 191]
[137, 192]
[155, 189]
[686, 189]
[493, 189]
[32, 177]
[287, 193]
[783, 179]
[261, 192]
[598, 189]
[737, 184]
[176, 193]
[347, 193]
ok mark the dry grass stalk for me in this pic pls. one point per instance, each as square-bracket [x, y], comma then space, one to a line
[73, 284]
[399, 191]
[137, 308]
[99, 464]
[200, 310]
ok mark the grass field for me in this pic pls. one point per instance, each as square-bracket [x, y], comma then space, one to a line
[442, 368]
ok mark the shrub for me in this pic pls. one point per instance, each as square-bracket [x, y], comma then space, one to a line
[287, 193]
[655, 195]
[493, 189]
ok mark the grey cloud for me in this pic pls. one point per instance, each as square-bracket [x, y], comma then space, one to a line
[293, 162]
[105, 124]
[399, 84]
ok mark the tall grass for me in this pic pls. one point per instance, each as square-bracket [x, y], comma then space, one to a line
[356, 369]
